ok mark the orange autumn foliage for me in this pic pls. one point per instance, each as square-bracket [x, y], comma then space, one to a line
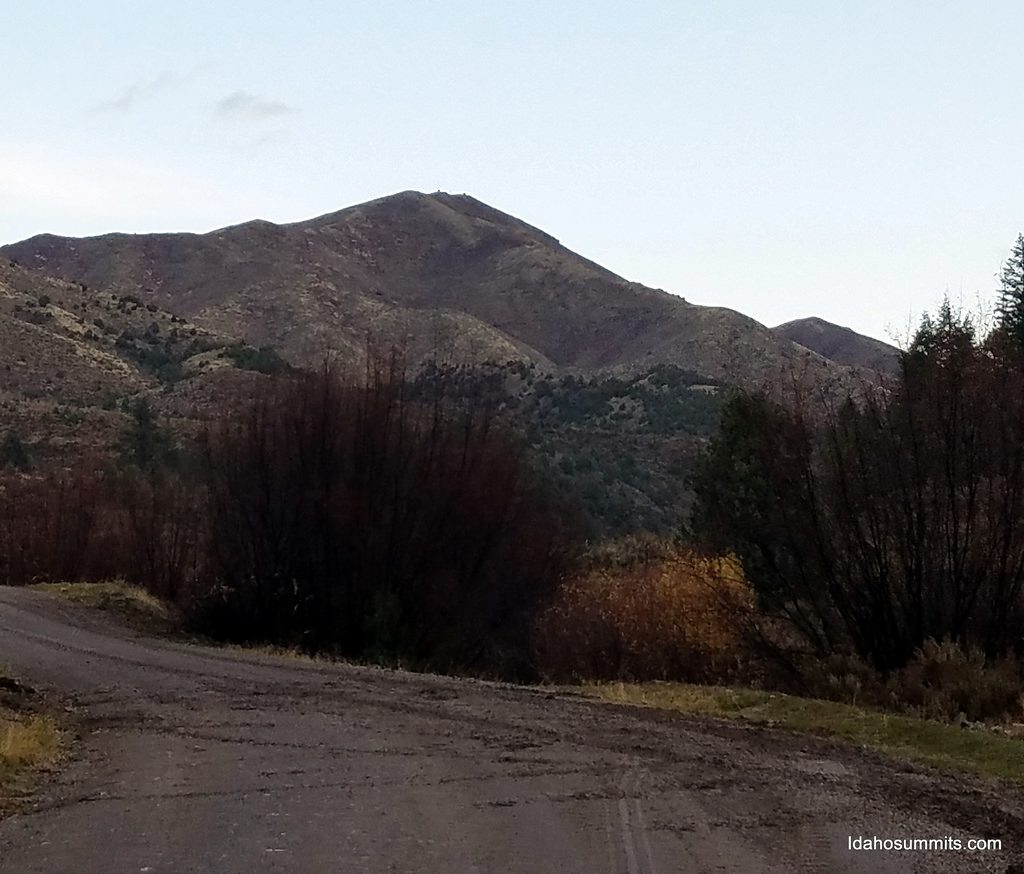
[673, 615]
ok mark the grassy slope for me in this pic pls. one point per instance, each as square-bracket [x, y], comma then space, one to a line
[981, 751]
[135, 607]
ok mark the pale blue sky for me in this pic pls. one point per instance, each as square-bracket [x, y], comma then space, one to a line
[851, 160]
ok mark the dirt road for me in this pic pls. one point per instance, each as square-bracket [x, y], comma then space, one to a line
[206, 760]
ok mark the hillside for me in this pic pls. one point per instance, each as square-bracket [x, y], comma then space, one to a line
[55, 342]
[72, 358]
[619, 447]
[430, 271]
[841, 345]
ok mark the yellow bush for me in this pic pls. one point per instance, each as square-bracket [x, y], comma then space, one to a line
[32, 741]
[670, 615]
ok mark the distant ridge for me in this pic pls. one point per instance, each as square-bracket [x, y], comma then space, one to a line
[841, 345]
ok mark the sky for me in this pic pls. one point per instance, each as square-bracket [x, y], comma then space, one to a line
[853, 160]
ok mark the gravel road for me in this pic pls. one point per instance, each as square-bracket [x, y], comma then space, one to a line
[195, 759]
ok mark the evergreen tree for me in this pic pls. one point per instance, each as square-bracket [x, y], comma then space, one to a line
[948, 340]
[1010, 306]
[875, 524]
[13, 452]
[144, 443]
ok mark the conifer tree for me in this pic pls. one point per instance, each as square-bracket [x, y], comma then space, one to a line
[1010, 306]
[13, 452]
[144, 444]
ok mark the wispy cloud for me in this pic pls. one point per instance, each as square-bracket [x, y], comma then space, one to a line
[243, 106]
[138, 92]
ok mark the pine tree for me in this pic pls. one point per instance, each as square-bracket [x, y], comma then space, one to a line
[1010, 306]
[144, 443]
[947, 340]
[13, 452]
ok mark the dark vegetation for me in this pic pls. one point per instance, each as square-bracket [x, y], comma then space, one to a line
[888, 522]
[867, 547]
[358, 518]
[14, 454]
[370, 521]
[886, 532]
[261, 359]
[618, 448]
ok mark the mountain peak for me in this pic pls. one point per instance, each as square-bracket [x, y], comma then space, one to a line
[840, 344]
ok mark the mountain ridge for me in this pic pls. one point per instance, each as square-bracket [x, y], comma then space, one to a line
[424, 270]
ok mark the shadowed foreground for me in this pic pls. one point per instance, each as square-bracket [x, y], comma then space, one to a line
[196, 759]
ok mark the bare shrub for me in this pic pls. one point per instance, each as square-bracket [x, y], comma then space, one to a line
[161, 532]
[943, 680]
[353, 518]
[47, 526]
[92, 523]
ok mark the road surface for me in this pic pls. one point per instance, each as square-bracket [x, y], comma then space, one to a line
[197, 759]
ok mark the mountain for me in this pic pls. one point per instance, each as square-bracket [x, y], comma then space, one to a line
[74, 360]
[841, 345]
[615, 386]
[429, 271]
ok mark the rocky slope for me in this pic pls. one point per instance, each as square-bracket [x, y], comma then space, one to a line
[429, 271]
[72, 358]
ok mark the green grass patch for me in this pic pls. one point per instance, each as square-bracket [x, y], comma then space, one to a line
[979, 750]
[134, 606]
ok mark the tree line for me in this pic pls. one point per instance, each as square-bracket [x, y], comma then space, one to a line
[873, 524]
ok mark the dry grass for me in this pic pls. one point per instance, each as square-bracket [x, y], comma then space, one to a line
[29, 742]
[134, 606]
[277, 652]
[979, 750]
[143, 611]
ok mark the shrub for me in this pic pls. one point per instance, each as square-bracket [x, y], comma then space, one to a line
[353, 519]
[92, 523]
[48, 526]
[646, 612]
[334, 515]
[13, 452]
[264, 359]
[943, 681]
